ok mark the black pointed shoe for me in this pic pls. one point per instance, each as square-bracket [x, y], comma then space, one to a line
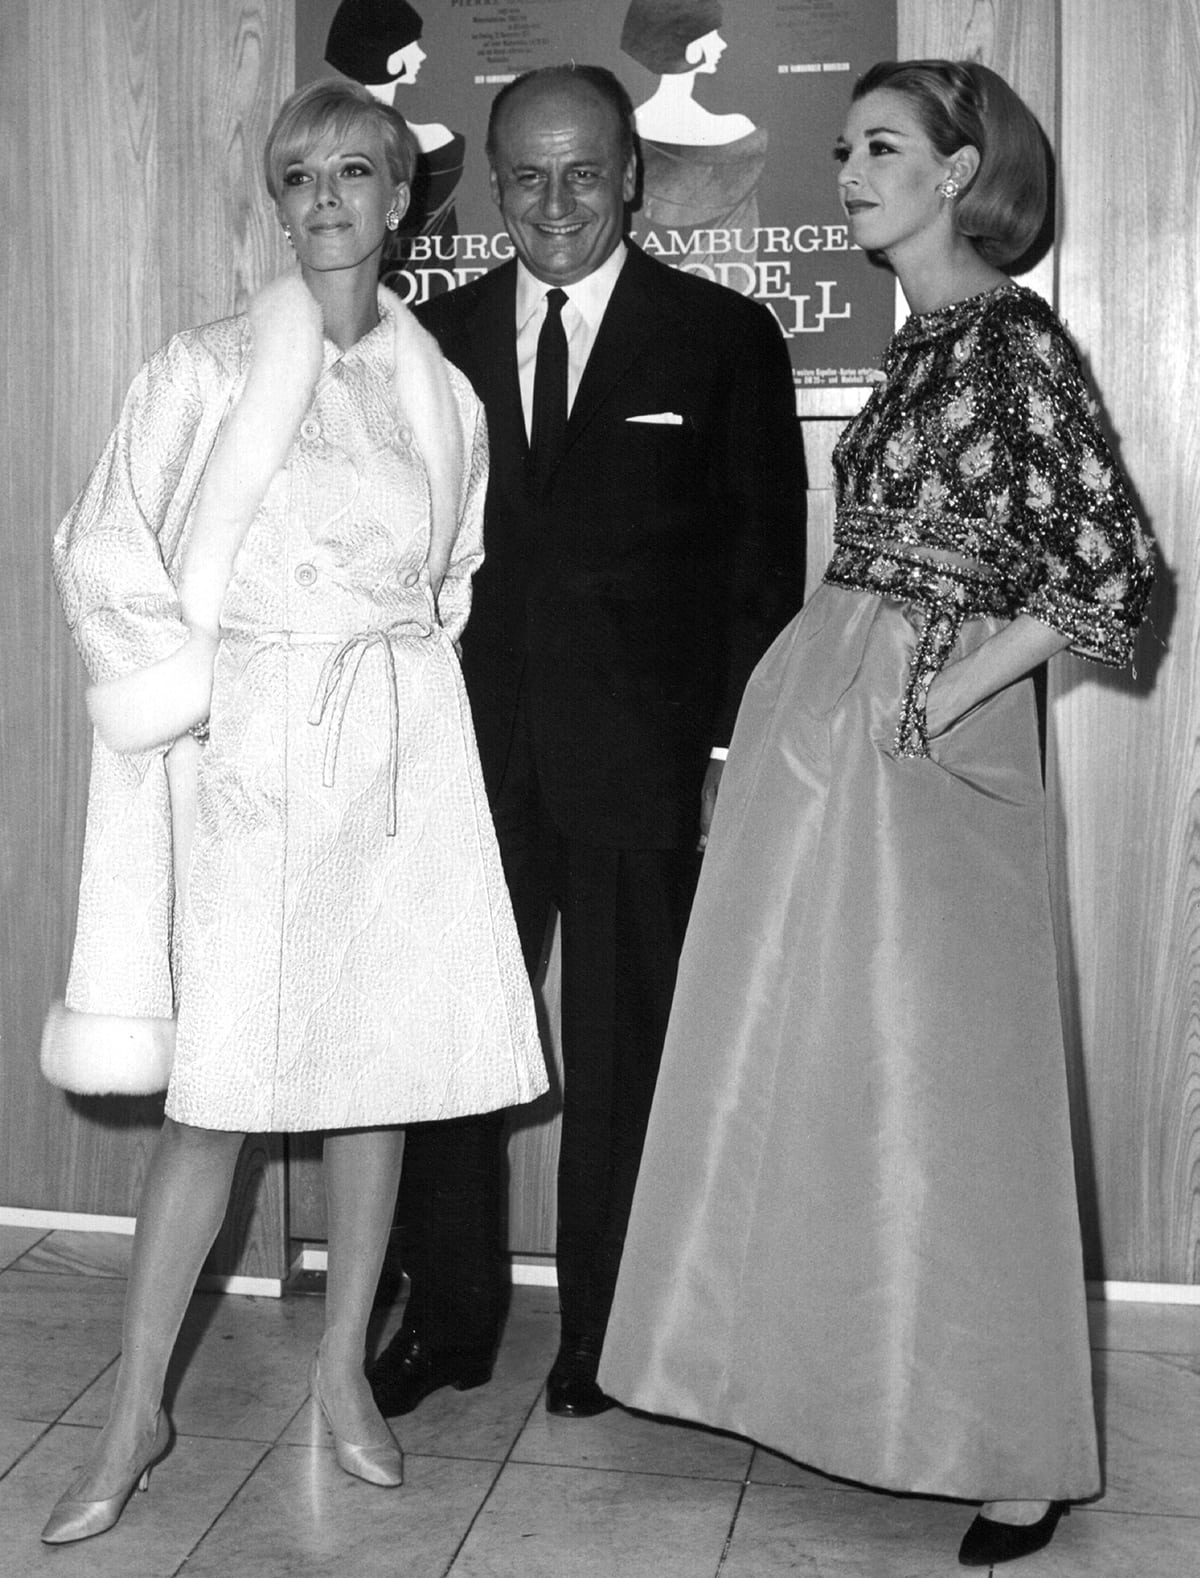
[571, 1389]
[987, 1543]
[407, 1371]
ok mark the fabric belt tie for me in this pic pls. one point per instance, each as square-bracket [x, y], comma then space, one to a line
[334, 686]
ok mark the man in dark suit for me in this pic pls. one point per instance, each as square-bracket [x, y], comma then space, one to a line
[644, 542]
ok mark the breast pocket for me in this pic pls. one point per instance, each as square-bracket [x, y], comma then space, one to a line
[663, 453]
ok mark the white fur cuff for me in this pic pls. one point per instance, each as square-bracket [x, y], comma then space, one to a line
[107, 1054]
[150, 707]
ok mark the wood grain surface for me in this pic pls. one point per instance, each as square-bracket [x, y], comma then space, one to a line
[132, 131]
[1123, 769]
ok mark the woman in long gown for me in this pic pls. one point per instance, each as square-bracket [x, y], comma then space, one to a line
[855, 1236]
[292, 901]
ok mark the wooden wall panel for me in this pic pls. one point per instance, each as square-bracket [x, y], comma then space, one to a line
[131, 130]
[1124, 769]
[51, 438]
[1017, 38]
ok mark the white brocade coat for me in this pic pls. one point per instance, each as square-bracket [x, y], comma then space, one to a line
[314, 913]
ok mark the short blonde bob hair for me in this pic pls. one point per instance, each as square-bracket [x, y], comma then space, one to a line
[335, 108]
[1001, 210]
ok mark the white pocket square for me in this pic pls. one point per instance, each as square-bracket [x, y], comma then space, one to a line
[663, 418]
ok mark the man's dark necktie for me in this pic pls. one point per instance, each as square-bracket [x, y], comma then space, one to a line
[549, 426]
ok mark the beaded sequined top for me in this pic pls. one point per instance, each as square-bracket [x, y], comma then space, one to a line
[976, 480]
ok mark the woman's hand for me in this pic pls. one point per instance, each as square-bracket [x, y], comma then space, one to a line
[1011, 653]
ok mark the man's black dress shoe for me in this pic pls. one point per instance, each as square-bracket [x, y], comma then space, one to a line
[571, 1390]
[987, 1543]
[408, 1370]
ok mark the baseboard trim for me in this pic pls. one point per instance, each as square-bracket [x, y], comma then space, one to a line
[66, 1221]
[527, 1270]
[534, 1271]
[1144, 1292]
[256, 1287]
[86, 1222]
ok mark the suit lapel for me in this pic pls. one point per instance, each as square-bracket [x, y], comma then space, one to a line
[492, 338]
[625, 336]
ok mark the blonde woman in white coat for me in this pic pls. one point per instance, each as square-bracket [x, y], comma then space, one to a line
[302, 922]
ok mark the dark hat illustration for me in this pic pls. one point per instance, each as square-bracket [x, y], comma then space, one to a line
[657, 33]
[365, 34]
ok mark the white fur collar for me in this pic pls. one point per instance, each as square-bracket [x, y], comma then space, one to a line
[151, 707]
[285, 364]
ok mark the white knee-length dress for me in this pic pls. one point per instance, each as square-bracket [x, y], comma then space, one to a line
[338, 947]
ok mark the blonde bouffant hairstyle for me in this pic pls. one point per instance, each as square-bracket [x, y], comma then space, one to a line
[1001, 210]
[333, 107]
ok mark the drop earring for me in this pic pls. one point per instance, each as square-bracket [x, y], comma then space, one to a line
[287, 232]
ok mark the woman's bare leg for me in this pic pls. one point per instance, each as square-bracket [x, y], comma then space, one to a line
[182, 1207]
[362, 1173]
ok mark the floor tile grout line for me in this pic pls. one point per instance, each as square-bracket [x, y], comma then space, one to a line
[40, 1437]
[225, 1506]
[28, 1250]
[1081, 1509]
[641, 1473]
[742, 1489]
[99, 1376]
[487, 1496]
[472, 1520]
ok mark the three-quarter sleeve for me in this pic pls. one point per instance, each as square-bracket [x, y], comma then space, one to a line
[109, 565]
[1093, 564]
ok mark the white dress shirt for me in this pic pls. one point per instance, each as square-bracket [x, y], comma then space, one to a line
[582, 316]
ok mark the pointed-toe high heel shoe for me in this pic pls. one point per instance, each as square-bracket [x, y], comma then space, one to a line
[988, 1543]
[378, 1465]
[75, 1519]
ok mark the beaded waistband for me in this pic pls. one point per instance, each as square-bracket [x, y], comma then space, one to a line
[952, 588]
[988, 550]
[872, 553]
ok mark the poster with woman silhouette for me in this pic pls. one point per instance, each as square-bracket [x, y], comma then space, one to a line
[737, 104]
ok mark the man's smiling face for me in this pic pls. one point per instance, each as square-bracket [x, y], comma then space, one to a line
[560, 181]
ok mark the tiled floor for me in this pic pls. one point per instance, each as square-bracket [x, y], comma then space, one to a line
[496, 1489]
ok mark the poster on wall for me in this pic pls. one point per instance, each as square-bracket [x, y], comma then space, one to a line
[737, 105]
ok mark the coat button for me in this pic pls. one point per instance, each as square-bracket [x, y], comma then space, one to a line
[306, 574]
[412, 578]
[310, 428]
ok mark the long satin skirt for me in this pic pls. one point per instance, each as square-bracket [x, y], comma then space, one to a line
[855, 1237]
